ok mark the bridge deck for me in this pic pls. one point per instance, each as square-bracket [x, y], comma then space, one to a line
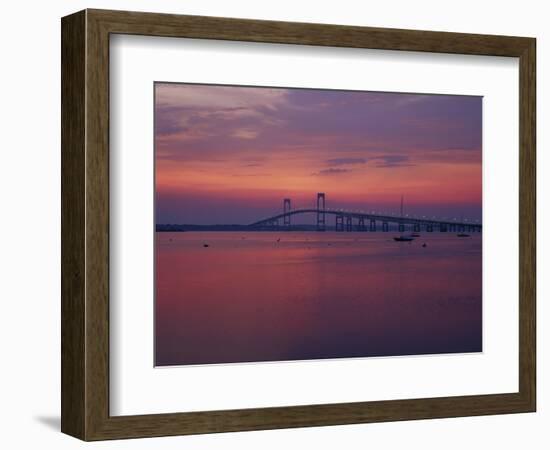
[408, 220]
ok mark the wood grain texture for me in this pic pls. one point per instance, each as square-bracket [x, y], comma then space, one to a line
[73, 225]
[85, 224]
[151, 24]
[527, 224]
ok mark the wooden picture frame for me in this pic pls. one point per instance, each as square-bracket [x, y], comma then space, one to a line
[85, 224]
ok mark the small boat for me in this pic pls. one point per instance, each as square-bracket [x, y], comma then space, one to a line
[462, 234]
[403, 238]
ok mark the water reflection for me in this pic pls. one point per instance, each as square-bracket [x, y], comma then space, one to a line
[294, 296]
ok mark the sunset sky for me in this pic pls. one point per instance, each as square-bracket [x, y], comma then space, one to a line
[229, 155]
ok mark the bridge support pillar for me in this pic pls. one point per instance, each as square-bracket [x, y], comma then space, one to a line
[461, 229]
[385, 226]
[320, 211]
[348, 223]
[286, 210]
[339, 223]
[429, 227]
[443, 228]
[372, 225]
[416, 227]
[401, 227]
[361, 224]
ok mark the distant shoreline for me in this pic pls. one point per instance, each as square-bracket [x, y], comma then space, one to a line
[232, 227]
[171, 228]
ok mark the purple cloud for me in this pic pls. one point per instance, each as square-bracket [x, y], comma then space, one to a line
[332, 171]
[345, 161]
[388, 161]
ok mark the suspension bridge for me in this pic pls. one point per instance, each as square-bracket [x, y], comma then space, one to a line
[345, 220]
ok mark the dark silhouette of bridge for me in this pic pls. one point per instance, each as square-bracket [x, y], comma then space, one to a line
[346, 220]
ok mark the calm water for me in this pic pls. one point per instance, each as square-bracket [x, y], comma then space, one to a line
[247, 297]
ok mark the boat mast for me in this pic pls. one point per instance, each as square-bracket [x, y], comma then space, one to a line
[401, 205]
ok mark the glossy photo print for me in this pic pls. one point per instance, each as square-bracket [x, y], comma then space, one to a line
[304, 224]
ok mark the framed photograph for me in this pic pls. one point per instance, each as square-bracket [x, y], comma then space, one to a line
[273, 225]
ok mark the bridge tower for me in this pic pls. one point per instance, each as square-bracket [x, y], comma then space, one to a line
[401, 225]
[286, 209]
[320, 211]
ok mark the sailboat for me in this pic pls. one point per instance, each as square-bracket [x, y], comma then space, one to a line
[462, 234]
[403, 238]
